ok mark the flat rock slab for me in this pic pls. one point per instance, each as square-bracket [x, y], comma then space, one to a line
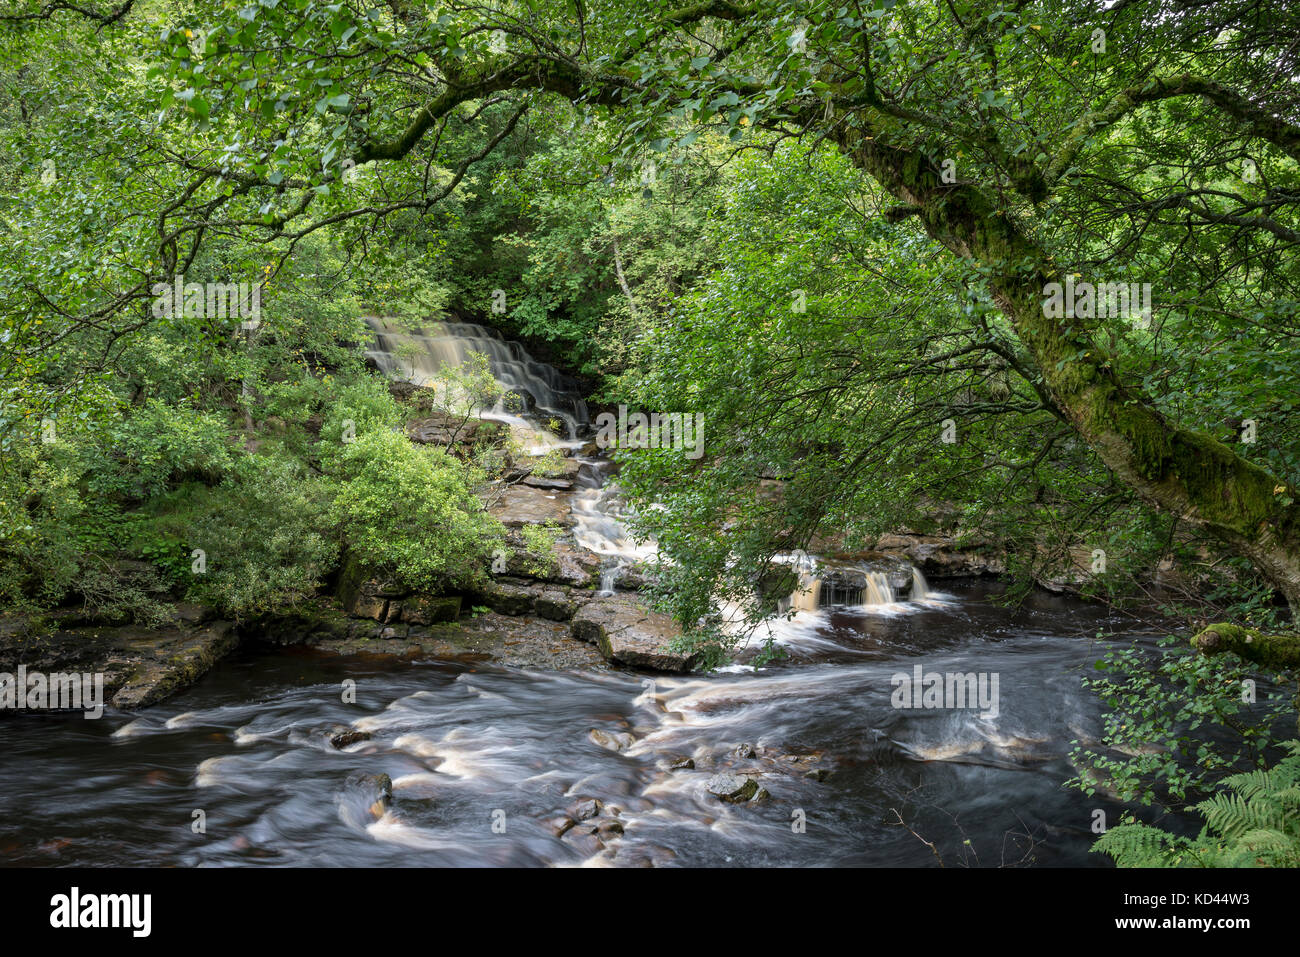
[525, 505]
[140, 666]
[525, 642]
[628, 632]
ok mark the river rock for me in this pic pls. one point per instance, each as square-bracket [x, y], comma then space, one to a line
[628, 632]
[613, 740]
[583, 840]
[376, 786]
[732, 788]
[430, 610]
[521, 505]
[342, 737]
[587, 809]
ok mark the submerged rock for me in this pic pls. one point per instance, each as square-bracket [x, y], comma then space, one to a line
[613, 740]
[342, 737]
[376, 788]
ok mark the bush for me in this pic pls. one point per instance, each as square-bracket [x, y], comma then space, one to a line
[263, 534]
[156, 447]
[46, 525]
[409, 512]
[1254, 821]
[358, 409]
[1177, 724]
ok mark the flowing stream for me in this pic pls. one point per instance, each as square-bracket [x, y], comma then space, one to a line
[487, 763]
[485, 760]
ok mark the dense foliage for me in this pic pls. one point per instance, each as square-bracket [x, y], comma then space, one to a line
[828, 228]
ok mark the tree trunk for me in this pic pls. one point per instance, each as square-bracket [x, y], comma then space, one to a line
[1188, 473]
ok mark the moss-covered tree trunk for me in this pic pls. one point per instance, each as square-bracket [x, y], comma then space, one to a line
[1185, 472]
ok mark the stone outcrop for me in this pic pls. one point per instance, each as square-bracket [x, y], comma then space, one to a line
[364, 596]
[629, 633]
[443, 429]
[141, 666]
[938, 556]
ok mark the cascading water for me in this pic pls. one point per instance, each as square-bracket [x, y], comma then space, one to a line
[422, 354]
[823, 585]
[920, 587]
[598, 523]
[252, 743]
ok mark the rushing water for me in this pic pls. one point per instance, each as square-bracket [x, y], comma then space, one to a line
[486, 763]
[469, 746]
[422, 353]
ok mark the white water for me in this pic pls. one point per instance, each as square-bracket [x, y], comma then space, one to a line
[424, 353]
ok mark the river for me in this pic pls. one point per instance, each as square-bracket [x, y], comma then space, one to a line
[485, 760]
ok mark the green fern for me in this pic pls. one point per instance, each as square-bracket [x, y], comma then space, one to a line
[1253, 822]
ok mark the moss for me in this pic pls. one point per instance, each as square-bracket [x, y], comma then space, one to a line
[1278, 652]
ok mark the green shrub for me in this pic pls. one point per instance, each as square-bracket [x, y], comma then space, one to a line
[263, 533]
[157, 447]
[358, 409]
[409, 512]
[46, 525]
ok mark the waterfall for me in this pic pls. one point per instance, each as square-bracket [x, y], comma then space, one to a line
[920, 587]
[878, 590]
[421, 353]
[859, 586]
[807, 597]
[608, 577]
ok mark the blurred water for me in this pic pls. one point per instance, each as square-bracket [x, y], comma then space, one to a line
[484, 760]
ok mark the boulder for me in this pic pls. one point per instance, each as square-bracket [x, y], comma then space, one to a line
[629, 633]
[506, 598]
[732, 788]
[555, 605]
[362, 595]
[430, 610]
